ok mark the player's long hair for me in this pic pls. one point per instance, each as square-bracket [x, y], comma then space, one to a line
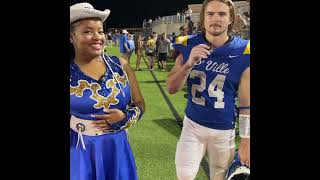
[232, 13]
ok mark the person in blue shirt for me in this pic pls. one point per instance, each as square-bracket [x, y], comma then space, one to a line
[105, 101]
[215, 65]
[124, 49]
[116, 37]
[131, 46]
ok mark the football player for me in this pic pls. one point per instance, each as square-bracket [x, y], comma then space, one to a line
[216, 68]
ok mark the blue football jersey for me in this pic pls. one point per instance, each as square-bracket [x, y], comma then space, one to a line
[213, 82]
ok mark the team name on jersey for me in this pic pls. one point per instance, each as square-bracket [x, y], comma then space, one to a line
[213, 66]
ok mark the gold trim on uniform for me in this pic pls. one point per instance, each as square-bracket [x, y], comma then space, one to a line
[182, 40]
[102, 102]
[133, 119]
[247, 50]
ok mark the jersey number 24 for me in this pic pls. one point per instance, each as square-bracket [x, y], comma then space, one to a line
[214, 90]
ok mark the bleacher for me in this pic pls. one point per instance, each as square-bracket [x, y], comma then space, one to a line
[172, 23]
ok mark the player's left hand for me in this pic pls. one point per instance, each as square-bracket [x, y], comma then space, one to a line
[113, 116]
[244, 151]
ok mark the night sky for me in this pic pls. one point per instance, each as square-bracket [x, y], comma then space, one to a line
[131, 13]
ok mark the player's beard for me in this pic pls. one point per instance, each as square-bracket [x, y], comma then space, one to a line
[217, 33]
[212, 30]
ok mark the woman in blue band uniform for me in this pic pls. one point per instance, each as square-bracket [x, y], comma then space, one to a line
[105, 100]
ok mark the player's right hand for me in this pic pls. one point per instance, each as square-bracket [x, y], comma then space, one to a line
[198, 52]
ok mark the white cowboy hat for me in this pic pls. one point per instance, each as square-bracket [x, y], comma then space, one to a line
[124, 31]
[86, 10]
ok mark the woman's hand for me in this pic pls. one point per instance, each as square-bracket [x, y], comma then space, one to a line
[101, 125]
[113, 116]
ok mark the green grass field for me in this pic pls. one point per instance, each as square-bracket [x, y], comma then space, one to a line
[153, 139]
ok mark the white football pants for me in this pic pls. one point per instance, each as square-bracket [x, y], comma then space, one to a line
[194, 141]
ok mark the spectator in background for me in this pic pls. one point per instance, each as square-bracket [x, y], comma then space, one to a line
[172, 40]
[190, 25]
[164, 45]
[178, 15]
[124, 49]
[157, 51]
[197, 28]
[184, 14]
[189, 12]
[116, 37]
[144, 23]
[173, 37]
[138, 50]
[150, 51]
[131, 46]
[144, 44]
[155, 37]
[184, 30]
[109, 38]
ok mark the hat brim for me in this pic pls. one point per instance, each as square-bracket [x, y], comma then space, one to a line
[83, 13]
